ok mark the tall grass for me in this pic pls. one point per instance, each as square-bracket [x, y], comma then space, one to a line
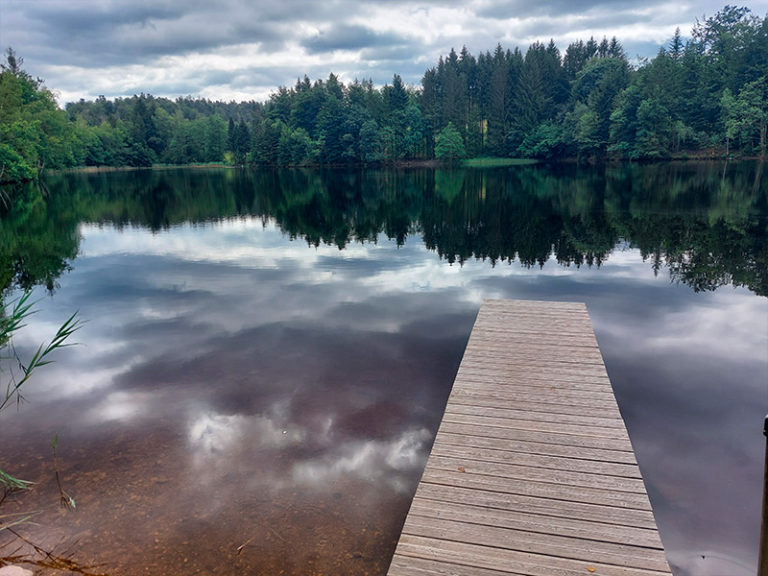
[15, 372]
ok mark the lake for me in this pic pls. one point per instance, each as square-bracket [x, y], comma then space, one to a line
[265, 355]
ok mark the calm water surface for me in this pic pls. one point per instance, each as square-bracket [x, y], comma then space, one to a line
[266, 355]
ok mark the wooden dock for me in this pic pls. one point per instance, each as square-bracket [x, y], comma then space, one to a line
[532, 471]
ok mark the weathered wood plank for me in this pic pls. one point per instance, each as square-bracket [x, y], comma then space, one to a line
[501, 395]
[583, 478]
[610, 421]
[514, 519]
[562, 351]
[471, 529]
[532, 471]
[525, 487]
[618, 434]
[444, 447]
[534, 366]
[587, 384]
[407, 566]
[549, 307]
[548, 509]
[547, 402]
[553, 326]
[557, 438]
[455, 438]
[509, 561]
[498, 338]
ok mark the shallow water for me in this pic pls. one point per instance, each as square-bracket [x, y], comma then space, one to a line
[265, 356]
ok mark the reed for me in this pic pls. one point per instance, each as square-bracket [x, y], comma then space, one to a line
[14, 371]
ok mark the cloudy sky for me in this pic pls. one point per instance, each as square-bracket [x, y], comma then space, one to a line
[242, 50]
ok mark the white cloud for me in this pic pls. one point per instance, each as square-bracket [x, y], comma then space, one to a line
[119, 48]
[369, 459]
[738, 320]
[229, 241]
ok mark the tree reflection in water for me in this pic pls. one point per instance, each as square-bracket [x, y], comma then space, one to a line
[247, 403]
[704, 222]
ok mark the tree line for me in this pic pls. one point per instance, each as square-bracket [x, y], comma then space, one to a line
[704, 95]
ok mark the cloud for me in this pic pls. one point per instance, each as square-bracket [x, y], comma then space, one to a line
[521, 9]
[235, 49]
[224, 363]
[350, 37]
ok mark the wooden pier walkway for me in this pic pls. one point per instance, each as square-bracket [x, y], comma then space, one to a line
[532, 471]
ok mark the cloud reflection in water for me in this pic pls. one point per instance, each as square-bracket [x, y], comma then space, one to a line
[235, 379]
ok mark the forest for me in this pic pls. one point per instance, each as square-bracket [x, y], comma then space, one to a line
[701, 96]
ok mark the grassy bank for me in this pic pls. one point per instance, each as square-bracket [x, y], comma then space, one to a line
[487, 162]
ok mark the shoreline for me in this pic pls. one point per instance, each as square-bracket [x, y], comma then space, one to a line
[476, 163]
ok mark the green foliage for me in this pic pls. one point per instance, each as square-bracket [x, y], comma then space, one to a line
[12, 322]
[696, 96]
[547, 141]
[37, 238]
[34, 133]
[493, 162]
[745, 117]
[296, 148]
[13, 167]
[10, 483]
[14, 374]
[654, 135]
[12, 318]
[449, 144]
[596, 93]
[371, 148]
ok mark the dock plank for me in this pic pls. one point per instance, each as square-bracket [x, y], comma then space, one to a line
[505, 498]
[541, 425]
[626, 536]
[473, 528]
[532, 471]
[474, 453]
[508, 561]
[459, 437]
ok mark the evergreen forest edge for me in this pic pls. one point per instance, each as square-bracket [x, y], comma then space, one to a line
[706, 96]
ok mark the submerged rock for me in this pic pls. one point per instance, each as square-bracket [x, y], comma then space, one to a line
[15, 571]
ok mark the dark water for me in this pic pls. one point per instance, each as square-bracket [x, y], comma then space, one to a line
[266, 355]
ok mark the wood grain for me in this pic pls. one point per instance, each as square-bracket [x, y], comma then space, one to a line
[532, 471]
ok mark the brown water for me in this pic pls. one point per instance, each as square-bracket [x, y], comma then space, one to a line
[226, 462]
[244, 401]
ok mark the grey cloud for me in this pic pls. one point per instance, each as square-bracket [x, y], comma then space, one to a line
[81, 47]
[350, 37]
[271, 78]
[268, 80]
[221, 78]
[179, 38]
[639, 50]
[613, 11]
[421, 4]
[554, 8]
[120, 33]
[77, 18]
[393, 53]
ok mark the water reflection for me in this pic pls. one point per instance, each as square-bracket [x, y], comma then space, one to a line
[246, 402]
[704, 222]
[306, 466]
